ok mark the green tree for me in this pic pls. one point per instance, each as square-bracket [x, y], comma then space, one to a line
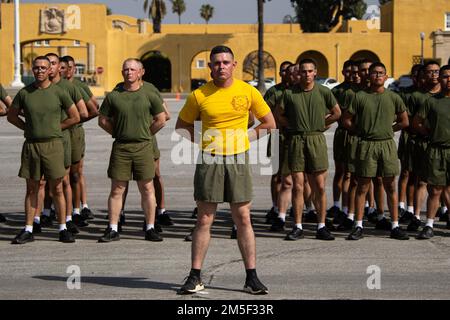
[156, 11]
[178, 7]
[322, 16]
[206, 12]
[108, 11]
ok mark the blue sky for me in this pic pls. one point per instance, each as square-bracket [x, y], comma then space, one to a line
[225, 11]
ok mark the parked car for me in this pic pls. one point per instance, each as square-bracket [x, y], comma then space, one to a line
[403, 82]
[269, 82]
[330, 83]
[197, 83]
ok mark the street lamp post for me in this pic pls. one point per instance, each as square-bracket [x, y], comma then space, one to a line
[17, 82]
[422, 37]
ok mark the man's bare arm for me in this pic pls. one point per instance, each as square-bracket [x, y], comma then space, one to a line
[185, 129]
[267, 124]
[73, 117]
[401, 122]
[105, 123]
[13, 118]
[158, 123]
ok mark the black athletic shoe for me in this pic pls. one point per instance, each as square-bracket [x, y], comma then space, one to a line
[72, 227]
[157, 227]
[372, 217]
[164, 219]
[414, 224]
[2, 218]
[345, 225]
[448, 225]
[356, 234]
[426, 233]
[46, 221]
[406, 216]
[153, 235]
[295, 234]
[87, 214]
[383, 224]
[444, 217]
[188, 237]
[333, 212]
[339, 218]
[194, 213]
[192, 285]
[23, 237]
[66, 236]
[324, 234]
[37, 228]
[399, 234]
[310, 216]
[79, 221]
[233, 234]
[277, 225]
[254, 286]
[271, 216]
[109, 235]
[439, 213]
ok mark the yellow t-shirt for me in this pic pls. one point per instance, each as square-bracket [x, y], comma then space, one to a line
[224, 115]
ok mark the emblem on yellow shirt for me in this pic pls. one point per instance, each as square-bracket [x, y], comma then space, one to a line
[240, 103]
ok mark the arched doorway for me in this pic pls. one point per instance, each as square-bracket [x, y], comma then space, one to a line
[319, 58]
[200, 73]
[250, 66]
[158, 70]
[365, 54]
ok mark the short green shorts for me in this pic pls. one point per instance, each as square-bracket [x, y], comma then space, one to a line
[156, 152]
[419, 157]
[78, 143]
[131, 161]
[406, 152]
[67, 143]
[220, 179]
[42, 159]
[340, 142]
[438, 164]
[307, 152]
[377, 159]
[351, 148]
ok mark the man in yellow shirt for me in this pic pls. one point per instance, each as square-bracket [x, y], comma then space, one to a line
[223, 172]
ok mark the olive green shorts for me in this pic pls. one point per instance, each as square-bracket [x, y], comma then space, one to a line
[220, 179]
[281, 155]
[340, 142]
[419, 158]
[351, 148]
[78, 143]
[438, 164]
[307, 152]
[67, 143]
[131, 161]
[406, 152]
[42, 159]
[377, 159]
[156, 152]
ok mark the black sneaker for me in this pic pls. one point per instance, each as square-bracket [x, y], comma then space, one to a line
[448, 225]
[87, 214]
[372, 217]
[383, 224]
[406, 216]
[346, 224]
[324, 234]
[194, 213]
[333, 212]
[157, 227]
[23, 237]
[79, 221]
[233, 234]
[295, 234]
[254, 286]
[153, 235]
[2, 218]
[37, 227]
[339, 218]
[414, 224]
[399, 234]
[311, 216]
[426, 233]
[277, 225]
[356, 234]
[109, 235]
[444, 217]
[66, 236]
[72, 227]
[164, 219]
[188, 238]
[439, 212]
[271, 216]
[192, 285]
[46, 221]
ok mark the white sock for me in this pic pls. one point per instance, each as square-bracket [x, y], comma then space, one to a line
[46, 212]
[401, 205]
[282, 216]
[62, 227]
[351, 216]
[444, 209]
[150, 226]
[366, 204]
[113, 227]
[299, 226]
[430, 223]
[380, 216]
[417, 216]
[68, 218]
[345, 210]
[359, 224]
[76, 211]
[29, 229]
[410, 209]
[37, 220]
[85, 205]
[160, 211]
[394, 224]
[336, 204]
[320, 226]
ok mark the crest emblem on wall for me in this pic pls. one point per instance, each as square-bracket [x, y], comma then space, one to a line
[52, 21]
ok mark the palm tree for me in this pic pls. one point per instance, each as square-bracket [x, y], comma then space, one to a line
[178, 7]
[156, 11]
[206, 12]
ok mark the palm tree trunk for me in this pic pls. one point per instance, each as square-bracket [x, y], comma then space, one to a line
[261, 85]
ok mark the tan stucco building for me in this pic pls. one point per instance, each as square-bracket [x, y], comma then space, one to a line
[99, 43]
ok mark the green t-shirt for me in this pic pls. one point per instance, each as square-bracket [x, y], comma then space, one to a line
[436, 110]
[84, 86]
[42, 110]
[344, 93]
[3, 93]
[417, 100]
[306, 110]
[274, 95]
[72, 91]
[131, 112]
[375, 114]
[148, 87]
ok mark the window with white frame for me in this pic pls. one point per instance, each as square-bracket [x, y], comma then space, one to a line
[46, 43]
[76, 43]
[447, 21]
[37, 43]
[201, 64]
